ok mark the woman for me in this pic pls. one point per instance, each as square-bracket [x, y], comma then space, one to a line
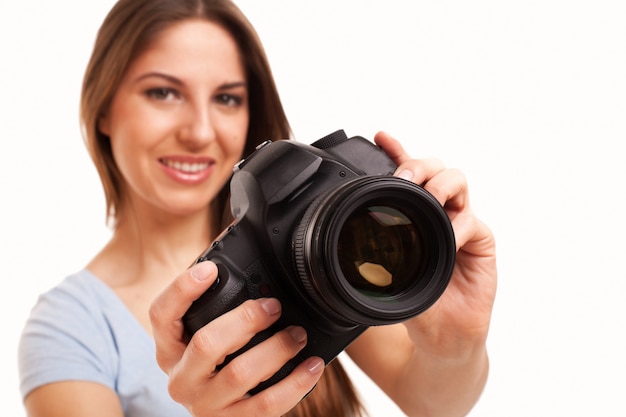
[175, 93]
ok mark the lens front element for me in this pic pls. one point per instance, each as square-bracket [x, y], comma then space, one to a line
[375, 250]
[379, 249]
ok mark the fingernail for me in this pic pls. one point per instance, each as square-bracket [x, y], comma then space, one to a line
[315, 365]
[271, 306]
[201, 271]
[405, 174]
[298, 334]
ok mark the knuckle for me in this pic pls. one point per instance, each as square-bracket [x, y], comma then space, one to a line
[175, 388]
[250, 314]
[458, 175]
[288, 342]
[178, 287]
[283, 346]
[267, 403]
[154, 312]
[205, 342]
[302, 384]
[176, 393]
[438, 190]
[162, 360]
[237, 373]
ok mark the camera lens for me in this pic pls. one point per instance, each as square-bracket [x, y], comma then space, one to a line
[375, 250]
[379, 249]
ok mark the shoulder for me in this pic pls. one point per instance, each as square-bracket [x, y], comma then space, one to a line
[79, 300]
[81, 331]
[67, 334]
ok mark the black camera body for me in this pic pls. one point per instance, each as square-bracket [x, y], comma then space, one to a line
[326, 229]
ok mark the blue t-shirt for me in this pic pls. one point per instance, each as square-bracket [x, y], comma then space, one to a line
[80, 330]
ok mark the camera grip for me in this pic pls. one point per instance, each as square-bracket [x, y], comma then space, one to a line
[224, 295]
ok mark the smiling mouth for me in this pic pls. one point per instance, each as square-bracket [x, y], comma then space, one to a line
[186, 167]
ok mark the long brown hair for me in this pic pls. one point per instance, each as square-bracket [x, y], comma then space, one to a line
[126, 31]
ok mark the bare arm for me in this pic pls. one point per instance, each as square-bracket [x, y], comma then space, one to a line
[73, 399]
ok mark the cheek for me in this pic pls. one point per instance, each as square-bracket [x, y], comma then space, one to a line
[123, 151]
[135, 129]
[122, 133]
[124, 145]
[125, 156]
[130, 144]
[235, 140]
[234, 148]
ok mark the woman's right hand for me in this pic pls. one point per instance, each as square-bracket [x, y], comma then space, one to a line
[191, 365]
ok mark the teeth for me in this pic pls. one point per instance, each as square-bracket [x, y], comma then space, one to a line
[186, 166]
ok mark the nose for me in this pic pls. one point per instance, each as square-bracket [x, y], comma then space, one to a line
[196, 129]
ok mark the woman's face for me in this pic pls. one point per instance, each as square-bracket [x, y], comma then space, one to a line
[179, 119]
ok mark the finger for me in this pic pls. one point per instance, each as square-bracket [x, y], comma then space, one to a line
[210, 345]
[416, 170]
[284, 395]
[260, 362]
[449, 187]
[168, 308]
[392, 148]
[420, 171]
[473, 236]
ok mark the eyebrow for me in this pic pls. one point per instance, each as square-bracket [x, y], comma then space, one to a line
[236, 84]
[174, 80]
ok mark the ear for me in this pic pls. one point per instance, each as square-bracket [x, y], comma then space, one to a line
[104, 124]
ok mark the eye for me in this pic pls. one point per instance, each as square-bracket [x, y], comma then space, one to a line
[230, 100]
[162, 94]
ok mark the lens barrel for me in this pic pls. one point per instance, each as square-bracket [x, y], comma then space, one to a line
[375, 250]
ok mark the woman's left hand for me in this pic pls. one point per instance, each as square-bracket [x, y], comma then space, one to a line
[459, 321]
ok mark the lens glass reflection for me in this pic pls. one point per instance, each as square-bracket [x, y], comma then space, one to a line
[381, 251]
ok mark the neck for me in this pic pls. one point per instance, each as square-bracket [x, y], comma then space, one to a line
[153, 246]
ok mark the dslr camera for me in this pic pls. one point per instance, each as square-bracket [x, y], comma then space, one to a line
[330, 232]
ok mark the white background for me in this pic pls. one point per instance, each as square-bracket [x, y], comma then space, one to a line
[528, 98]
